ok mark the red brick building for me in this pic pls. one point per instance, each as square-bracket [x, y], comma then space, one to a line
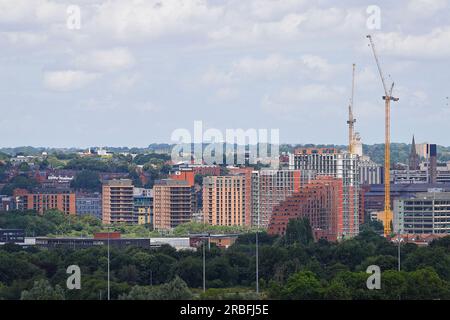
[184, 175]
[321, 201]
[43, 201]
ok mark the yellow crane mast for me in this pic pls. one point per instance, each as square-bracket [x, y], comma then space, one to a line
[351, 120]
[387, 145]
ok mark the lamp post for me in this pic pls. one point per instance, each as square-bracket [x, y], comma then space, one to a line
[257, 265]
[399, 240]
[109, 261]
[151, 277]
[109, 285]
[257, 256]
[204, 266]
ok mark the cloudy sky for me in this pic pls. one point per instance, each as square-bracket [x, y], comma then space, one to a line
[136, 70]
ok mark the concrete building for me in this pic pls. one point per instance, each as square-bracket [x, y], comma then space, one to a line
[370, 172]
[341, 165]
[423, 174]
[227, 200]
[357, 144]
[89, 204]
[117, 202]
[12, 236]
[143, 209]
[425, 213]
[142, 192]
[321, 201]
[269, 188]
[173, 203]
[6, 203]
[44, 200]
[374, 194]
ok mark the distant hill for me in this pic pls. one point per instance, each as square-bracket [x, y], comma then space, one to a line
[399, 151]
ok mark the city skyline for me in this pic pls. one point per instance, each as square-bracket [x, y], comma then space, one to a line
[134, 73]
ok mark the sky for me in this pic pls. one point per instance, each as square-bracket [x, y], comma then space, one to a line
[136, 70]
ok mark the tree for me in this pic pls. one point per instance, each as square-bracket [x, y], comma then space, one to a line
[24, 167]
[19, 182]
[174, 290]
[302, 286]
[372, 225]
[337, 291]
[43, 290]
[425, 284]
[299, 231]
[190, 270]
[87, 180]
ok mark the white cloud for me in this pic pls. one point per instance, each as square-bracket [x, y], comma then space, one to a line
[126, 81]
[67, 80]
[426, 8]
[24, 38]
[298, 25]
[435, 44]
[32, 12]
[304, 99]
[106, 60]
[272, 66]
[128, 20]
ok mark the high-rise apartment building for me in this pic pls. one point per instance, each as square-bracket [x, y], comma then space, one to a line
[117, 202]
[227, 200]
[321, 201]
[269, 188]
[173, 203]
[342, 165]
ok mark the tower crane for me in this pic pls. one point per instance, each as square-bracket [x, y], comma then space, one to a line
[387, 144]
[351, 120]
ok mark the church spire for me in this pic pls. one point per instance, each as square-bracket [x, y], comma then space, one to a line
[413, 156]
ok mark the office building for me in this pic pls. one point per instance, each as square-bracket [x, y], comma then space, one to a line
[12, 236]
[425, 213]
[374, 194]
[89, 204]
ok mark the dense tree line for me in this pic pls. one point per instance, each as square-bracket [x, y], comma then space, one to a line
[291, 267]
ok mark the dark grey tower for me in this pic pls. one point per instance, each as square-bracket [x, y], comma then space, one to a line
[432, 164]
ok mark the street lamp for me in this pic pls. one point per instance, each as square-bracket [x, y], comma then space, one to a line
[204, 266]
[204, 257]
[399, 240]
[257, 257]
[109, 283]
[151, 277]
